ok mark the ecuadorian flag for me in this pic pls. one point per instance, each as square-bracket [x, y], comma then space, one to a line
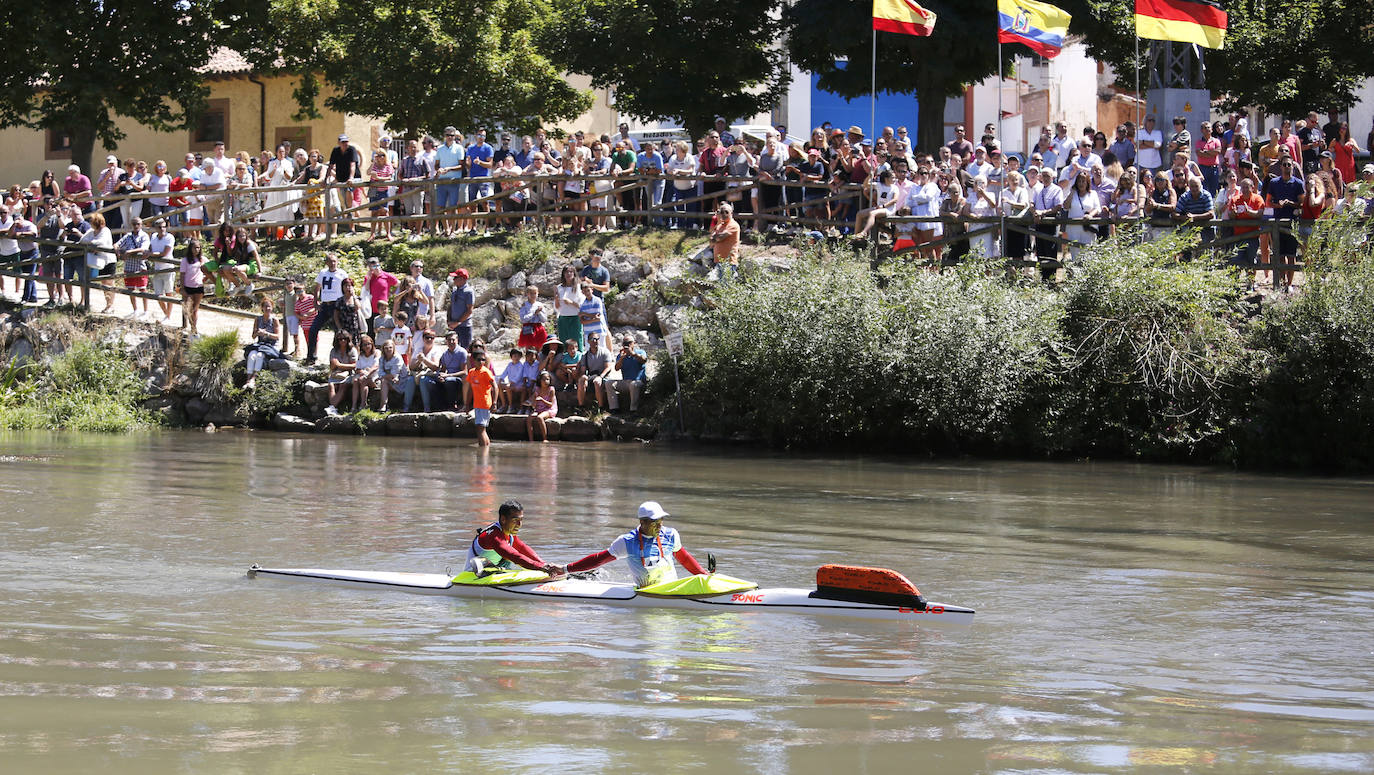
[1039, 26]
[1184, 21]
[902, 16]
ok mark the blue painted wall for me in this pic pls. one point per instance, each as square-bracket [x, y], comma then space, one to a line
[893, 110]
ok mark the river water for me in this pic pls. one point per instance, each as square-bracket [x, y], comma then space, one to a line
[1129, 617]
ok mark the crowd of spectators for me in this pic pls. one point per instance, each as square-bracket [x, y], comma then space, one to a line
[413, 339]
[723, 184]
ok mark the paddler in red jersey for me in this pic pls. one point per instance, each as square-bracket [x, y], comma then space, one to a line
[498, 546]
[649, 549]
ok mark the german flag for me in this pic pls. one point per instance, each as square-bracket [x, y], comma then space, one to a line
[902, 16]
[1183, 21]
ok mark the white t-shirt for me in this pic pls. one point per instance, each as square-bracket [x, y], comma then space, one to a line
[161, 247]
[417, 347]
[8, 246]
[1149, 158]
[1062, 146]
[400, 337]
[331, 284]
[366, 362]
[225, 165]
[213, 178]
[569, 300]
[687, 163]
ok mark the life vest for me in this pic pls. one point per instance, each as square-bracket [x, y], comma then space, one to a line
[490, 557]
[651, 560]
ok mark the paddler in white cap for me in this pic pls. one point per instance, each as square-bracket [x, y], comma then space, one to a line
[648, 549]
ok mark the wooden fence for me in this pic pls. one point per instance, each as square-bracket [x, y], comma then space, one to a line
[544, 201]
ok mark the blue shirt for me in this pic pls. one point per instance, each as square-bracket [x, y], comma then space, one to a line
[453, 361]
[599, 275]
[444, 156]
[1195, 205]
[632, 368]
[479, 157]
[523, 158]
[459, 304]
[649, 161]
[1279, 190]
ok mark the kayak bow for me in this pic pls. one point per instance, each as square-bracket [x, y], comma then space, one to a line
[852, 600]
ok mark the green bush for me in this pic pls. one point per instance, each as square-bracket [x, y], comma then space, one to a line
[271, 395]
[1314, 398]
[1157, 352]
[212, 361]
[831, 353]
[90, 387]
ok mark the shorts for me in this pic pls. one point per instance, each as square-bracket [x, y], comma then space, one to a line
[341, 379]
[377, 196]
[162, 283]
[106, 271]
[136, 282]
[193, 290]
[1288, 244]
[903, 243]
[478, 190]
[293, 325]
[447, 195]
[481, 417]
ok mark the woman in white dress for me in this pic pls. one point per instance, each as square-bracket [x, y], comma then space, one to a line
[1081, 203]
[281, 171]
[1016, 203]
[982, 205]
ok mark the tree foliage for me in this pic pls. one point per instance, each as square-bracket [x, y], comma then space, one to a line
[79, 66]
[684, 60]
[1281, 58]
[419, 67]
[962, 50]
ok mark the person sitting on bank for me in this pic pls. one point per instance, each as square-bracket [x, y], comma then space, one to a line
[498, 545]
[648, 549]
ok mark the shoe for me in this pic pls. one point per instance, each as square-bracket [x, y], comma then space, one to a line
[332, 411]
[249, 290]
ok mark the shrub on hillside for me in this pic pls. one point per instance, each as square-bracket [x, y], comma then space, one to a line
[89, 387]
[1314, 400]
[831, 353]
[1157, 352]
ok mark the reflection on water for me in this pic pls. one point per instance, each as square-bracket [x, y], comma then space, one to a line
[1129, 616]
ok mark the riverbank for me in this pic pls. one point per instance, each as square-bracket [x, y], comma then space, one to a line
[1135, 355]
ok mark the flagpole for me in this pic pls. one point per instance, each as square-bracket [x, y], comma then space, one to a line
[1001, 213]
[1139, 99]
[873, 91]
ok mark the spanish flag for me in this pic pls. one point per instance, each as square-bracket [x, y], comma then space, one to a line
[1184, 21]
[902, 16]
[1039, 26]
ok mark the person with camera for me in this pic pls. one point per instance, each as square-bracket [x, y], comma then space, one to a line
[630, 362]
[725, 240]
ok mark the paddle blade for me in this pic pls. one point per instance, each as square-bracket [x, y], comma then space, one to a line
[710, 563]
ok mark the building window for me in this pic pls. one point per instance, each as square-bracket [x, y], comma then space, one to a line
[57, 145]
[299, 137]
[212, 127]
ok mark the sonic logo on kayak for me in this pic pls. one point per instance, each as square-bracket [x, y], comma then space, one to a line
[743, 598]
[934, 609]
[552, 586]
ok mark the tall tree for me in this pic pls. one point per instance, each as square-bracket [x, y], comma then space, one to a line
[682, 60]
[419, 67]
[962, 50]
[1280, 57]
[78, 66]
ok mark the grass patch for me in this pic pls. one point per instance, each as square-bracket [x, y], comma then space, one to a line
[212, 361]
[90, 387]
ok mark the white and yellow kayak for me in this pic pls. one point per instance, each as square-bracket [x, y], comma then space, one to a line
[871, 593]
